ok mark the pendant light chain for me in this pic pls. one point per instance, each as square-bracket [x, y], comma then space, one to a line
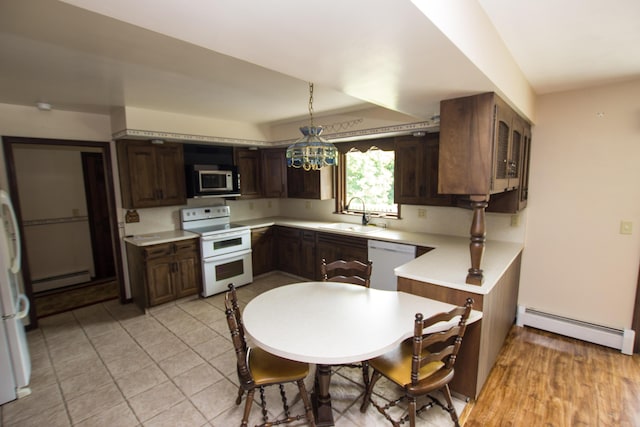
[311, 103]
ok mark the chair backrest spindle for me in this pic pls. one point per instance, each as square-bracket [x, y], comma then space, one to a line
[438, 346]
[354, 272]
[234, 321]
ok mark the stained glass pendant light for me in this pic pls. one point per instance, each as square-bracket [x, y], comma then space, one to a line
[311, 152]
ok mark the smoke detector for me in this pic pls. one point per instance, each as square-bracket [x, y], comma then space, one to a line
[43, 106]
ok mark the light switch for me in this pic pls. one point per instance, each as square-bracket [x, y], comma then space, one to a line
[626, 227]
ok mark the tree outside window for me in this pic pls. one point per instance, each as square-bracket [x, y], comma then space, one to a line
[369, 175]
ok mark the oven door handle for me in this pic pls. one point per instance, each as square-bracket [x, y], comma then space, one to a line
[222, 236]
[225, 257]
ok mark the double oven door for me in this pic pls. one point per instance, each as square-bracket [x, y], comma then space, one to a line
[226, 258]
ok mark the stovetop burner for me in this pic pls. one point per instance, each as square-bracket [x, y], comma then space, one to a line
[208, 220]
[213, 229]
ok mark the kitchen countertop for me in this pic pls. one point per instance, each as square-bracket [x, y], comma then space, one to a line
[161, 237]
[446, 265]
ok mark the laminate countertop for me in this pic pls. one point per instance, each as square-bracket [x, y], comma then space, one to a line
[160, 237]
[446, 265]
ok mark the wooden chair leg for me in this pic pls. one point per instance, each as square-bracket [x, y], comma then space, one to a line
[247, 407]
[365, 373]
[307, 403]
[367, 395]
[240, 393]
[412, 411]
[451, 409]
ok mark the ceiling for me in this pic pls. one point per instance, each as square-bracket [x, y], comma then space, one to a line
[250, 61]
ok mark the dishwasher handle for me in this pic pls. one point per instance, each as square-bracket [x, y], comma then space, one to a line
[391, 247]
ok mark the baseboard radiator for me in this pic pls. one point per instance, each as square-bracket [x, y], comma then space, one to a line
[621, 339]
[55, 282]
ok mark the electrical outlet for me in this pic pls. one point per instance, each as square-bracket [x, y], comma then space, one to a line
[626, 227]
[250, 206]
[422, 213]
[515, 220]
[307, 205]
[269, 204]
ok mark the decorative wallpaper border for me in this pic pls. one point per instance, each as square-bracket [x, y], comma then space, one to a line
[429, 125]
[48, 221]
[184, 137]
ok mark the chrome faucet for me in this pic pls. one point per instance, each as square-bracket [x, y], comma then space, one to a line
[365, 218]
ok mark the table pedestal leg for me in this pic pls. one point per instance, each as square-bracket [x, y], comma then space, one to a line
[321, 397]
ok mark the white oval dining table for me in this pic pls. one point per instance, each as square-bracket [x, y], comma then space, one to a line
[329, 323]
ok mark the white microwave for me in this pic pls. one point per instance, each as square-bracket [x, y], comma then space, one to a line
[211, 180]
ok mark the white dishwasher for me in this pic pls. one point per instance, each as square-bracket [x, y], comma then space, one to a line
[386, 256]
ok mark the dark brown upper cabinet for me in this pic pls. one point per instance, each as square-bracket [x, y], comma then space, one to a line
[483, 146]
[416, 171]
[274, 172]
[314, 184]
[249, 168]
[151, 174]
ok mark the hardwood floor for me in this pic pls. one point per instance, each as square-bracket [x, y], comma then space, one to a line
[60, 301]
[543, 379]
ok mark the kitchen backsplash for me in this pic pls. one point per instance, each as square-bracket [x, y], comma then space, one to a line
[437, 220]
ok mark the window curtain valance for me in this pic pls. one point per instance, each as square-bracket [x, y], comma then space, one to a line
[384, 144]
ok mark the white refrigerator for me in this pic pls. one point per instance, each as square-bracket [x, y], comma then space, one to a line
[15, 363]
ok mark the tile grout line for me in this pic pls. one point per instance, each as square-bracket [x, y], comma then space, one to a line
[73, 312]
[157, 363]
[208, 362]
[55, 373]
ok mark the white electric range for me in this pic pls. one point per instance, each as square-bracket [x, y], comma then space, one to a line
[225, 247]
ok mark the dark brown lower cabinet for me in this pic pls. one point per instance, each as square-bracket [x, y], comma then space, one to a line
[308, 262]
[262, 250]
[332, 247]
[483, 339]
[164, 272]
[288, 253]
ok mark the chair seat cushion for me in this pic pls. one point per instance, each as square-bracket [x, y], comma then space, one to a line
[396, 365]
[267, 368]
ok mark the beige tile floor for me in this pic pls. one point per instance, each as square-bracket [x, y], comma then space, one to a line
[110, 365]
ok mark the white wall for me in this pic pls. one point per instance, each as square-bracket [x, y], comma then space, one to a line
[18, 120]
[187, 126]
[585, 179]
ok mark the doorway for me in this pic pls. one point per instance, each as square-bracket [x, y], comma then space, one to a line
[65, 203]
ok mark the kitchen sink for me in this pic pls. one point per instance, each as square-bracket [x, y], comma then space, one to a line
[356, 228]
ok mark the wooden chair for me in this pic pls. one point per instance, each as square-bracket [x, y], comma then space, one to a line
[421, 365]
[258, 369]
[355, 272]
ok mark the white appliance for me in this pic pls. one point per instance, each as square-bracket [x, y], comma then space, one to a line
[15, 363]
[225, 247]
[386, 256]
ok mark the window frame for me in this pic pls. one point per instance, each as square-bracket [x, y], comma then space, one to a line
[386, 144]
